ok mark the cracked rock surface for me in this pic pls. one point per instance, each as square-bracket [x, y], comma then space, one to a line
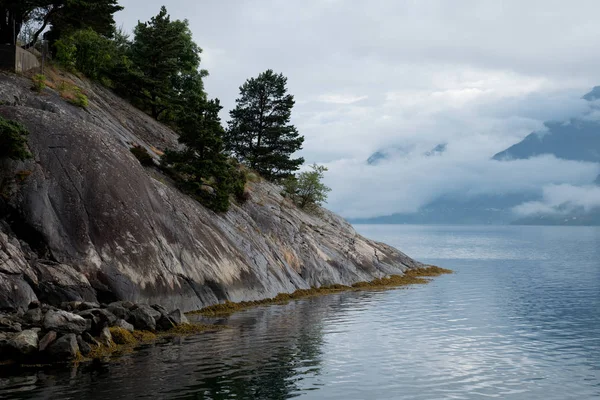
[88, 223]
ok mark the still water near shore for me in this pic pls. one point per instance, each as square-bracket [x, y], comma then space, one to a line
[518, 320]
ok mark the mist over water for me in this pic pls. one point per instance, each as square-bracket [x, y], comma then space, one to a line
[518, 320]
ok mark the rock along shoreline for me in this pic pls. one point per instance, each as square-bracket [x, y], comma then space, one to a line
[80, 331]
[84, 331]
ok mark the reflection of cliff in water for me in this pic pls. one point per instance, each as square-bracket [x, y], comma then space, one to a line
[265, 355]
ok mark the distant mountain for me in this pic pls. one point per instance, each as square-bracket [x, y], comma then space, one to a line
[577, 139]
[479, 210]
[403, 151]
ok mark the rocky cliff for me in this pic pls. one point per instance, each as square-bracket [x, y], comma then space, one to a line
[85, 221]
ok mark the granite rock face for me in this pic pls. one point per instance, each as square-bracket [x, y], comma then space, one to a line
[88, 223]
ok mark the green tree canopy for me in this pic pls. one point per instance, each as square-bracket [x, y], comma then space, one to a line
[167, 59]
[201, 168]
[63, 16]
[260, 133]
[307, 190]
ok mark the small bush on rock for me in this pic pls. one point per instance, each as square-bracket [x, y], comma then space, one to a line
[39, 83]
[13, 140]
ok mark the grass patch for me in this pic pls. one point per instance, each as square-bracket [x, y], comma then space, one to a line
[122, 336]
[144, 336]
[191, 329]
[410, 277]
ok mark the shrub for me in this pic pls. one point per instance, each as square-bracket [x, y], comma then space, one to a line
[142, 155]
[39, 83]
[80, 99]
[306, 189]
[13, 140]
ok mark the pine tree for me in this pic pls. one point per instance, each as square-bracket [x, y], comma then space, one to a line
[165, 55]
[201, 168]
[260, 133]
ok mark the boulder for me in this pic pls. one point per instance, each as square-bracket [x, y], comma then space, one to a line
[47, 340]
[119, 311]
[70, 305]
[34, 316]
[64, 348]
[159, 308]
[84, 347]
[105, 337]
[25, 343]
[140, 318]
[178, 317]
[9, 325]
[87, 305]
[125, 304]
[164, 323]
[149, 310]
[64, 322]
[89, 339]
[121, 323]
[100, 319]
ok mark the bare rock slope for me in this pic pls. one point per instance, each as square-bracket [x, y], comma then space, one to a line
[88, 222]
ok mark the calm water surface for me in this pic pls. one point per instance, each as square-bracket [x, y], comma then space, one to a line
[520, 319]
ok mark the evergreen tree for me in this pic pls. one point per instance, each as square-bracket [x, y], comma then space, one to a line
[165, 55]
[63, 16]
[201, 168]
[260, 133]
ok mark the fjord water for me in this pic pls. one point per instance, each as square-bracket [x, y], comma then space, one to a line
[520, 319]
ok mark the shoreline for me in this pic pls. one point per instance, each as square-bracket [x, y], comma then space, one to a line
[416, 276]
[31, 348]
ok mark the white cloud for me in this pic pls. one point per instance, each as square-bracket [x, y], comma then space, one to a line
[562, 199]
[478, 75]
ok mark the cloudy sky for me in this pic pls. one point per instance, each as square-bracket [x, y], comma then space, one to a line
[384, 74]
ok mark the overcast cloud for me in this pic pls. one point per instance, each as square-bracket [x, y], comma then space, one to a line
[368, 75]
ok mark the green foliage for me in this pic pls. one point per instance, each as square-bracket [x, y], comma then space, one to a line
[62, 16]
[142, 155]
[88, 52]
[39, 83]
[80, 99]
[166, 59]
[307, 190]
[260, 133]
[13, 141]
[201, 168]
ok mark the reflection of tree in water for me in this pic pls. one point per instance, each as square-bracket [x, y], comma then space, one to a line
[274, 372]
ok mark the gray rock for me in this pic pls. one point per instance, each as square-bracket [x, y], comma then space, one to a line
[89, 339]
[86, 305]
[100, 319]
[178, 317]
[47, 340]
[25, 343]
[105, 337]
[159, 308]
[34, 304]
[164, 323]
[124, 325]
[84, 347]
[140, 318]
[70, 305]
[119, 311]
[136, 236]
[149, 310]
[34, 316]
[64, 322]
[64, 348]
[9, 325]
